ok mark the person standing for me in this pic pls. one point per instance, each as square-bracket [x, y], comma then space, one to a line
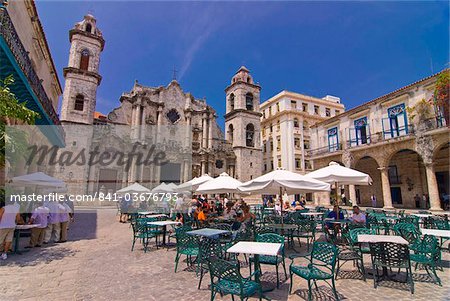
[9, 218]
[40, 218]
[417, 200]
[64, 217]
[373, 199]
[54, 226]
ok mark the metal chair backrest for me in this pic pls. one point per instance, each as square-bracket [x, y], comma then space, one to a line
[225, 270]
[324, 253]
[390, 254]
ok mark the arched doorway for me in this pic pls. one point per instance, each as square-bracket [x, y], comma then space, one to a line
[408, 180]
[441, 168]
[369, 166]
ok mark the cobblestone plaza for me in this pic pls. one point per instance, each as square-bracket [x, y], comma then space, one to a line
[96, 264]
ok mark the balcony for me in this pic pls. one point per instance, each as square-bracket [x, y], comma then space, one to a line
[324, 150]
[27, 87]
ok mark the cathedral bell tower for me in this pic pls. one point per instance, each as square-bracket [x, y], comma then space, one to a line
[82, 77]
[243, 123]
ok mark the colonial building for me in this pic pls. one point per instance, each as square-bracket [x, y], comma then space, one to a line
[25, 54]
[406, 154]
[146, 112]
[285, 123]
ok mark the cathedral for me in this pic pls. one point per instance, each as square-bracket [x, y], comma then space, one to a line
[145, 112]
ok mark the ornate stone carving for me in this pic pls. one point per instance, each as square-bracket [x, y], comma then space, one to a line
[424, 147]
[347, 158]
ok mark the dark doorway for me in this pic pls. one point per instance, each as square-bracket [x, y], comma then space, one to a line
[396, 194]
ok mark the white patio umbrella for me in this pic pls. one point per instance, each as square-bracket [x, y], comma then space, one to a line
[37, 179]
[221, 184]
[335, 172]
[338, 174]
[162, 188]
[193, 184]
[134, 188]
[280, 180]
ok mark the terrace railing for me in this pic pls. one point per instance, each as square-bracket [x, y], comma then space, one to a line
[12, 40]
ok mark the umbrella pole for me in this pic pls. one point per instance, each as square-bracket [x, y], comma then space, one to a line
[281, 201]
[338, 196]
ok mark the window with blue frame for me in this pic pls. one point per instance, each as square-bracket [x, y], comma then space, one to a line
[333, 139]
[397, 122]
[360, 134]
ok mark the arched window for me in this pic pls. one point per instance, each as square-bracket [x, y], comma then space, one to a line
[231, 102]
[79, 102]
[296, 122]
[230, 133]
[249, 135]
[84, 61]
[249, 101]
[248, 79]
[89, 28]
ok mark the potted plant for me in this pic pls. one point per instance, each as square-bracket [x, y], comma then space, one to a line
[422, 112]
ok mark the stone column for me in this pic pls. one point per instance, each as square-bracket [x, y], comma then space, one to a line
[352, 192]
[186, 171]
[124, 178]
[158, 124]
[188, 129]
[138, 122]
[210, 129]
[203, 164]
[204, 131]
[433, 191]
[386, 186]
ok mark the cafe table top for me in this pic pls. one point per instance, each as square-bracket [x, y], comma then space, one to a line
[436, 232]
[256, 248]
[311, 213]
[382, 238]
[207, 232]
[163, 223]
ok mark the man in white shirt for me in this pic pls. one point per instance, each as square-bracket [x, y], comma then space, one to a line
[358, 217]
[179, 204]
[9, 217]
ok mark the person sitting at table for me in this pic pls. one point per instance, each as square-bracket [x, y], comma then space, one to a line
[278, 208]
[179, 218]
[298, 206]
[9, 218]
[334, 215]
[302, 201]
[286, 205]
[358, 217]
[39, 217]
[246, 217]
[229, 212]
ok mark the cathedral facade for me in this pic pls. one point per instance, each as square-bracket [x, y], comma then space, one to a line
[145, 111]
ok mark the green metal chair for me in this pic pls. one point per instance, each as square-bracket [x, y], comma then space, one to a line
[143, 233]
[355, 252]
[306, 228]
[272, 260]
[387, 255]
[227, 279]
[410, 233]
[322, 262]
[186, 245]
[428, 255]
[209, 248]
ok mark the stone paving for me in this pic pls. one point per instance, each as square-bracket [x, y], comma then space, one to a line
[97, 264]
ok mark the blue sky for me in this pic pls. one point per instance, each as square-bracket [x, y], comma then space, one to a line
[354, 50]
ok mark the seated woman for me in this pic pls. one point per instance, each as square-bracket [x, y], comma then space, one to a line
[246, 217]
[229, 212]
[286, 205]
[298, 206]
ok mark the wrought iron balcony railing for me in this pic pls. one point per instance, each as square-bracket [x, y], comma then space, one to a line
[324, 150]
[9, 34]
